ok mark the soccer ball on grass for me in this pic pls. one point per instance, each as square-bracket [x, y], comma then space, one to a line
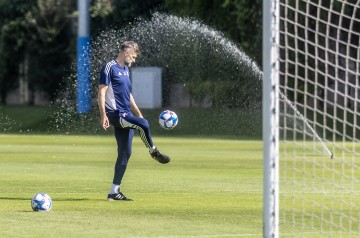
[168, 119]
[41, 202]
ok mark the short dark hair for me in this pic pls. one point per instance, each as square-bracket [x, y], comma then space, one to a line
[130, 45]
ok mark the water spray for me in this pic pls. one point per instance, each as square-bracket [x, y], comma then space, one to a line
[325, 148]
[160, 37]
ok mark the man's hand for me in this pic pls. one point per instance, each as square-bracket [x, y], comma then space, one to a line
[105, 122]
[101, 101]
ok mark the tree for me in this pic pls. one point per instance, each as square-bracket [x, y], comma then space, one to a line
[52, 44]
[247, 30]
[12, 39]
[34, 43]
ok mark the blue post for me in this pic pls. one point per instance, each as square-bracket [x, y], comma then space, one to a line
[83, 59]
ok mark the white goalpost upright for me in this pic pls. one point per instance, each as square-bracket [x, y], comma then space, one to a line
[311, 115]
[270, 121]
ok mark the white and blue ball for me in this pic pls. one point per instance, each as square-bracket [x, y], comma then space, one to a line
[168, 119]
[41, 202]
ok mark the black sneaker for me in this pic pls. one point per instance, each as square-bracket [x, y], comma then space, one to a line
[117, 197]
[161, 158]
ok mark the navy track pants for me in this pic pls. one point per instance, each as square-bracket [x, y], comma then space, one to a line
[124, 133]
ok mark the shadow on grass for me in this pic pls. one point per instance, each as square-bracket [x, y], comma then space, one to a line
[56, 199]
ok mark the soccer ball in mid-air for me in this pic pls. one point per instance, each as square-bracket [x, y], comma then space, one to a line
[168, 119]
[41, 202]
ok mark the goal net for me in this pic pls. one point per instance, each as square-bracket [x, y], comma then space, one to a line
[317, 64]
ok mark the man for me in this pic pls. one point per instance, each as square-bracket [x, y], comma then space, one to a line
[118, 108]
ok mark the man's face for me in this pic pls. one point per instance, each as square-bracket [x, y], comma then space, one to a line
[130, 58]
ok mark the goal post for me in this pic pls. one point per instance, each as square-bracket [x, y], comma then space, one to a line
[270, 121]
[311, 115]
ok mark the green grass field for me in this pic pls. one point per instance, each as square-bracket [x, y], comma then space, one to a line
[211, 188]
